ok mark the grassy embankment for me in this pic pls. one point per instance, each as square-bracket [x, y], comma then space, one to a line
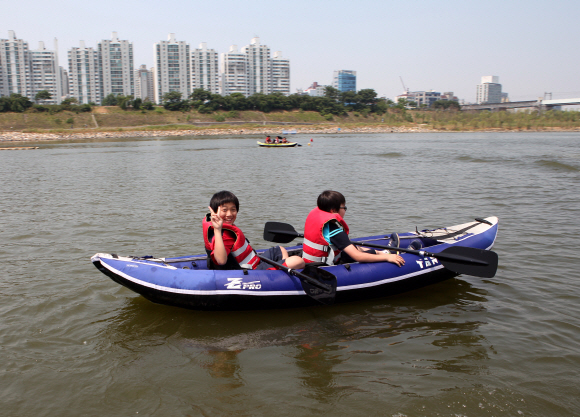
[111, 119]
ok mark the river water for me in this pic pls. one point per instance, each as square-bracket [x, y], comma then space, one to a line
[74, 343]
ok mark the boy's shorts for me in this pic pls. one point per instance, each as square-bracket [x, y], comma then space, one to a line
[274, 254]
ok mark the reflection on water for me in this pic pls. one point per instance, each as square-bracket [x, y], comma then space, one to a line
[328, 346]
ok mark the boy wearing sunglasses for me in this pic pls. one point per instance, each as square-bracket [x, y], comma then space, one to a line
[326, 235]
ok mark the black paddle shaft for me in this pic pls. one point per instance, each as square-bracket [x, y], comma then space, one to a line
[316, 282]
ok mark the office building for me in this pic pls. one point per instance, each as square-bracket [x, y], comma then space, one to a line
[259, 67]
[280, 74]
[117, 74]
[45, 72]
[234, 75]
[344, 80]
[204, 69]
[426, 98]
[84, 74]
[144, 85]
[489, 91]
[15, 76]
[172, 68]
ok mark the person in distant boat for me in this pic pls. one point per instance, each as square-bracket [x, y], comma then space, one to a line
[284, 140]
[268, 140]
[277, 140]
[225, 244]
[326, 235]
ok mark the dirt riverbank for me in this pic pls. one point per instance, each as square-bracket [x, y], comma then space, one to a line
[210, 131]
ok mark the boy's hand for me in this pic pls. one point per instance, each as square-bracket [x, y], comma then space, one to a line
[216, 221]
[395, 259]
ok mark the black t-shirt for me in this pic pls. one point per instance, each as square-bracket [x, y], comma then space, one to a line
[341, 239]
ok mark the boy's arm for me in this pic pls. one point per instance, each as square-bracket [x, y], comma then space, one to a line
[361, 256]
[219, 252]
[342, 242]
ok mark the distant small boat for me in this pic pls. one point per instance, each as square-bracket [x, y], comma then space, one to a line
[277, 145]
[289, 132]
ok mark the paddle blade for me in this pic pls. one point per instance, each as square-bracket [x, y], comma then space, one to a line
[325, 277]
[470, 261]
[280, 232]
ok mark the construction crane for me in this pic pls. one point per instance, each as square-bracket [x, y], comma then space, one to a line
[404, 88]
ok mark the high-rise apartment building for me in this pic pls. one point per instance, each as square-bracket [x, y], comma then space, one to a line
[64, 85]
[45, 72]
[253, 70]
[144, 86]
[116, 57]
[344, 80]
[234, 76]
[84, 74]
[259, 67]
[15, 74]
[280, 74]
[172, 68]
[489, 91]
[204, 69]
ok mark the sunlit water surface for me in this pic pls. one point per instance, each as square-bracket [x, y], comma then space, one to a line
[73, 342]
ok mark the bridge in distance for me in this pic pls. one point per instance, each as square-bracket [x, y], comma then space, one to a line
[531, 104]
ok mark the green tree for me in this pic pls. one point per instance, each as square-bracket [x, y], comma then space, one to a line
[172, 101]
[148, 105]
[16, 103]
[124, 101]
[110, 100]
[199, 94]
[446, 105]
[367, 97]
[42, 95]
[69, 103]
[331, 93]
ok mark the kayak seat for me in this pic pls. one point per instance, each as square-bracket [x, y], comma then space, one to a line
[415, 245]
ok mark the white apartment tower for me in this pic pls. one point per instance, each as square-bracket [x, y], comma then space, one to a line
[46, 72]
[144, 87]
[489, 91]
[84, 74]
[15, 74]
[204, 69]
[172, 68]
[234, 76]
[116, 66]
[64, 85]
[259, 67]
[280, 74]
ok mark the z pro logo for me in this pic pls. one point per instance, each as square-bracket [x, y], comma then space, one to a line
[239, 284]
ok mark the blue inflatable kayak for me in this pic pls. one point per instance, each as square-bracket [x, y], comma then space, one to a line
[186, 282]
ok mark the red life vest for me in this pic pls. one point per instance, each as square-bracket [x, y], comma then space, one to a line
[242, 252]
[316, 248]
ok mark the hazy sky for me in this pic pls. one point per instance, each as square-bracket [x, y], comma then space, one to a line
[444, 45]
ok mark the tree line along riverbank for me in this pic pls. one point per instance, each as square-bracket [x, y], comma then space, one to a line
[114, 121]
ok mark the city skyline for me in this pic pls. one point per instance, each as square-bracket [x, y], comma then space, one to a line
[442, 46]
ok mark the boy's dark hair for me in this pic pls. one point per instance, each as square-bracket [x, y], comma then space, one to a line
[330, 200]
[223, 197]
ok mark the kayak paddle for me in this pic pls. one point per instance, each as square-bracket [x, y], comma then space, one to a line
[459, 259]
[316, 282]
